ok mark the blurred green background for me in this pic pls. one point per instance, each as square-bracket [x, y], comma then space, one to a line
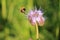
[14, 25]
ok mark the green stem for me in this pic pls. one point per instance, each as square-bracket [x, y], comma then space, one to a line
[57, 32]
[37, 33]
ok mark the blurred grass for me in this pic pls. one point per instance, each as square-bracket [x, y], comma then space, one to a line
[16, 25]
[4, 14]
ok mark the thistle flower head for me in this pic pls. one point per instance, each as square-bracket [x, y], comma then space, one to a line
[36, 16]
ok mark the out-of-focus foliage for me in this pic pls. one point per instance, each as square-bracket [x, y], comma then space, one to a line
[14, 25]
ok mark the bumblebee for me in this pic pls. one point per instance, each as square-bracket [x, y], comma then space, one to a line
[23, 10]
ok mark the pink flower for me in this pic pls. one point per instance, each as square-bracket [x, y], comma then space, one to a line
[36, 16]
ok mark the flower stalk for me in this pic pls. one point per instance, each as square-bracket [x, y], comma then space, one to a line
[37, 32]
